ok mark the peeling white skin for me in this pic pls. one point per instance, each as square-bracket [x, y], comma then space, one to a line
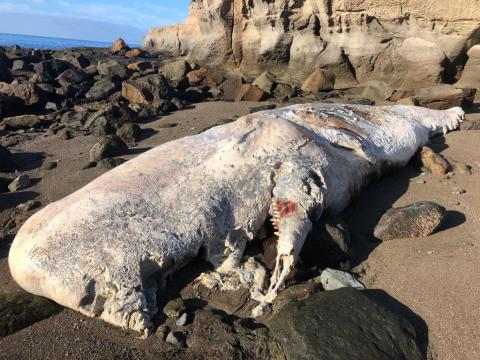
[103, 249]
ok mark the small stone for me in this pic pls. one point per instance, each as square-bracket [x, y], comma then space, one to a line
[49, 165]
[130, 133]
[109, 146]
[175, 338]
[29, 205]
[458, 191]
[415, 220]
[335, 279]
[421, 182]
[20, 183]
[173, 308]
[182, 320]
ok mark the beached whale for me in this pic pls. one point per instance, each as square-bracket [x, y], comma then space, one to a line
[105, 249]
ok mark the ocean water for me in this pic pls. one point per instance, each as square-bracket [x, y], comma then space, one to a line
[41, 42]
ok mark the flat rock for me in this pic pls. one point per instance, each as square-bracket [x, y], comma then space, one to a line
[415, 220]
[440, 97]
[22, 122]
[335, 279]
[342, 324]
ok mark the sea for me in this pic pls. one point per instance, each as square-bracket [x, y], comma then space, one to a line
[43, 42]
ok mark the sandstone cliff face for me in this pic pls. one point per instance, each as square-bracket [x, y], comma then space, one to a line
[402, 42]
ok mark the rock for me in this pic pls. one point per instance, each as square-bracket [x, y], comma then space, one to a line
[71, 77]
[17, 311]
[22, 122]
[75, 119]
[140, 66]
[343, 324]
[182, 320]
[29, 205]
[47, 71]
[113, 68]
[440, 97]
[150, 89]
[10, 106]
[432, 161]
[470, 125]
[129, 133]
[173, 308]
[30, 93]
[458, 191]
[20, 65]
[102, 89]
[319, 80]
[49, 165]
[377, 90]
[6, 159]
[231, 88]
[284, 91]
[115, 115]
[110, 163]
[175, 338]
[250, 92]
[175, 70]
[204, 77]
[194, 94]
[109, 146]
[136, 53]
[329, 245]
[77, 60]
[19, 183]
[334, 279]
[5, 74]
[118, 46]
[415, 220]
[265, 81]
[471, 73]
[255, 109]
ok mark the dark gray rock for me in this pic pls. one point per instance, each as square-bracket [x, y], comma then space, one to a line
[6, 160]
[102, 89]
[72, 77]
[21, 65]
[113, 68]
[110, 163]
[129, 133]
[415, 220]
[11, 106]
[47, 71]
[343, 324]
[109, 146]
[75, 119]
[284, 91]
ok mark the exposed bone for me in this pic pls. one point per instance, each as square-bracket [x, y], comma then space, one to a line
[106, 249]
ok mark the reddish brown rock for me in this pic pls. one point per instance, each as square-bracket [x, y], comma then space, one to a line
[29, 92]
[319, 80]
[118, 46]
[140, 66]
[436, 163]
[136, 53]
[231, 88]
[250, 92]
[204, 77]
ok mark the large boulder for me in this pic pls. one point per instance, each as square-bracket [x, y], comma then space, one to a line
[343, 324]
[415, 220]
[358, 40]
[30, 93]
[150, 89]
[471, 74]
[319, 80]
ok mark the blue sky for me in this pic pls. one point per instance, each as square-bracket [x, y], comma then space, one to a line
[99, 20]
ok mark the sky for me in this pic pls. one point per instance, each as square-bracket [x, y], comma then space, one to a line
[102, 20]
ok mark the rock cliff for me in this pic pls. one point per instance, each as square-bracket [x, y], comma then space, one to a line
[402, 42]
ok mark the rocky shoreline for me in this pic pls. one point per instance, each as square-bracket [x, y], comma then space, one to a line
[103, 98]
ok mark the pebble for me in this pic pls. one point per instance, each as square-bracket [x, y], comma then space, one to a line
[174, 338]
[182, 320]
[421, 182]
[335, 279]
[458, 191]
[50, 165]
[29, 205]
[20, 183]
